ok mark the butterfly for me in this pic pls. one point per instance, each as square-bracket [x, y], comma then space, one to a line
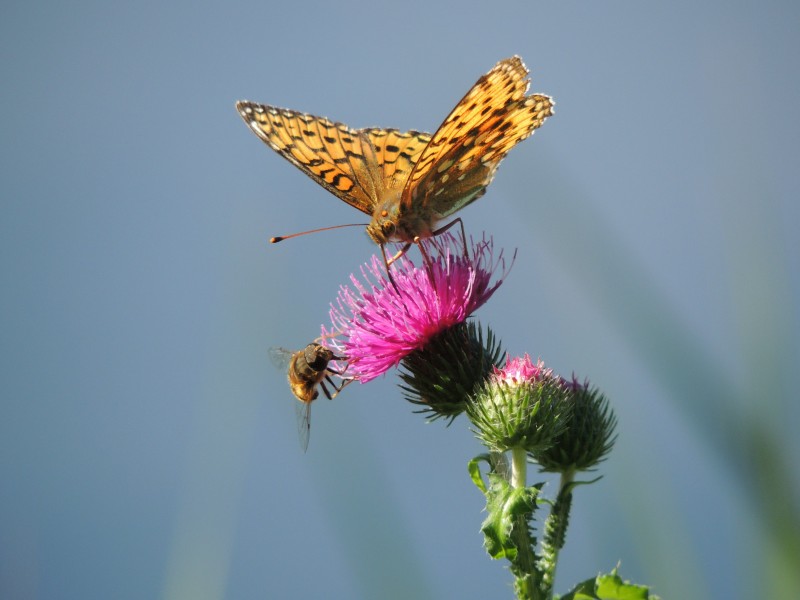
[306, 370]
[408, 181]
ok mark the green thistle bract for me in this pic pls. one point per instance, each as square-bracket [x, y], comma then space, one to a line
[442, 375]
[588, 436]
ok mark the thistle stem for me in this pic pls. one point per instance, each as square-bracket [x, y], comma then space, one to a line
[519, 468]
[555, 530]
[526, 577]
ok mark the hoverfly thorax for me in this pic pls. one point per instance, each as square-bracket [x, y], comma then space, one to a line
[317, 357]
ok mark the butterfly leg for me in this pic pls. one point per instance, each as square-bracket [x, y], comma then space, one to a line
[425, 256]
[463, 233]
[400, 253]
[388, 262]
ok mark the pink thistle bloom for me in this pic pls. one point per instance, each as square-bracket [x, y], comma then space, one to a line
[520, 370]
[573, 384]
[376, 325]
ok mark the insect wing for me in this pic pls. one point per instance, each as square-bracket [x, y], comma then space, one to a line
[337, 157]
[464, 153]
[396, 153]
[280, 357]
[303, 412]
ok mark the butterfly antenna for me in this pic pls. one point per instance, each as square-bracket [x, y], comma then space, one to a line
[280, 238]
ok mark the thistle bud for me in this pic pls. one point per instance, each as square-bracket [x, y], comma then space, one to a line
[519, 406]
[588, 436]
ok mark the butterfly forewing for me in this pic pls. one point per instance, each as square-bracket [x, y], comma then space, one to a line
[506, 81]
[337, 157]
[465, 151]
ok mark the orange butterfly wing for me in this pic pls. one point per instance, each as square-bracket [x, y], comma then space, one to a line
[359, 166]
[339, 158]
[464, 153]
[431, 177]
[396, 152]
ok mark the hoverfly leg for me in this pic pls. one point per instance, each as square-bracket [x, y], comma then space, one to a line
[336, 388]
[334, 371]
[326, 391]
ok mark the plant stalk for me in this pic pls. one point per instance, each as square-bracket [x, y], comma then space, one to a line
[519, 468]
[555, 530]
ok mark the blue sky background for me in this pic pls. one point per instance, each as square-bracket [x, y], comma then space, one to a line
[148, 448]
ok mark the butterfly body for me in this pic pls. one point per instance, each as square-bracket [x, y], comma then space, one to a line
[407, 182]
[390, 223]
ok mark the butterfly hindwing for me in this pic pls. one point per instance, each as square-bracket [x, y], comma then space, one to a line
[337, 157]
[396, 152]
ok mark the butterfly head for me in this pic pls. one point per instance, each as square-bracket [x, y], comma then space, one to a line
[383, 227]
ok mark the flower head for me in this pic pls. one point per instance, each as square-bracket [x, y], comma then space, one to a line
[519, 406]
[377, 323]
[589, 435]
[519, 370]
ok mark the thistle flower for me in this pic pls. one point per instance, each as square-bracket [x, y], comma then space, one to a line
[419, 319]
[519, 407]
[519, 370]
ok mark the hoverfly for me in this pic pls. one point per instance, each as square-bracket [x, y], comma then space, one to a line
[307, 370]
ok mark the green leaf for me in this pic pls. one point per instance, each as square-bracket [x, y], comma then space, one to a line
[474, 468]
[503, 504]
[609, 587]
[612, 587]
[582, 591]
